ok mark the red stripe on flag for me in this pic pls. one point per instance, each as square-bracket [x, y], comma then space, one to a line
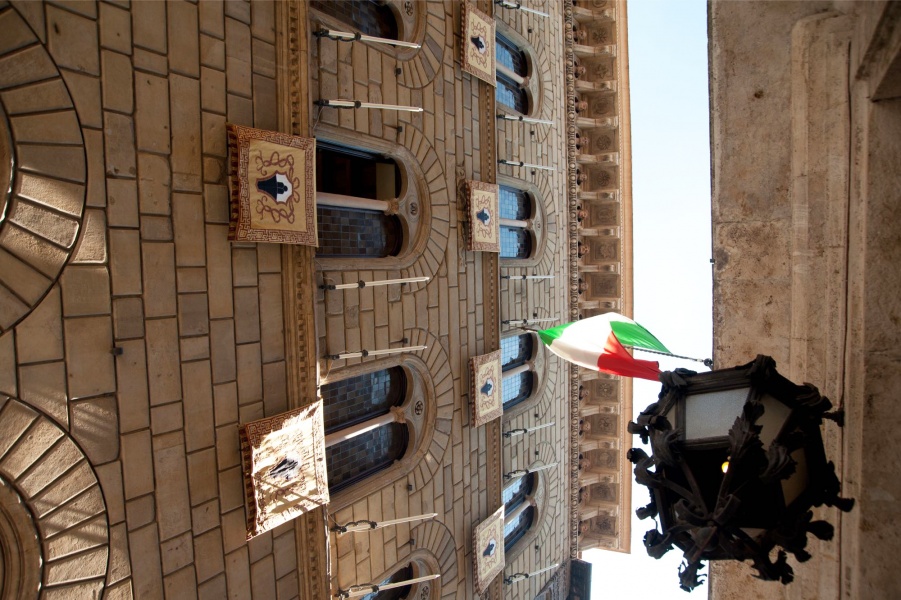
[617, 361]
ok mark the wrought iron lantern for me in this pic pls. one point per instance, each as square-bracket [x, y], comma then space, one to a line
[737, 464]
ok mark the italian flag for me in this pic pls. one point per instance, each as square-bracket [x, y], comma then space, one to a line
[597, 343]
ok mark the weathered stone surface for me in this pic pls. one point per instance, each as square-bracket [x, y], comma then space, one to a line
[89, 360]
[44, 387]
[162, 361]
[91, 245]
[85, 291]
[72, 41]
[95, 426]
[198, 405]
[40, 335]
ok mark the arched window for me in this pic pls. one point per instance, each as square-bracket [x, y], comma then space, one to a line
[518, 379]
[362, 435]
[369, 17]
[400, 593]
[515, 215]
[512, 75]
[354, 191]
[519, 509]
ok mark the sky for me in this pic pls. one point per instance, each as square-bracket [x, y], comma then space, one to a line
[672, 249]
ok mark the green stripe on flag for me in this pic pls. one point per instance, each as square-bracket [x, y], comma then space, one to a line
[549, 335]
[633, 334]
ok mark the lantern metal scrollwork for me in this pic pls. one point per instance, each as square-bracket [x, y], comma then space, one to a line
[737, 464]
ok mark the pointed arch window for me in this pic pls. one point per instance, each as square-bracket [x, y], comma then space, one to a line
[519, 509]
[369, 17]
[512, 75]
[518, 379]
[515, 219]
[355, 191]
[362, 433]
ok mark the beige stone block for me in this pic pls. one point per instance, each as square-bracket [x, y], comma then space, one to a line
[250, 382]
[77, 510]
[21, 278]
[262, 577]
[186, 139]
[37, 97]
[95, 426]
[163, 369]
[87, 535]
[115, 28]
[177, 553]
[145, 60]
[247, 315]
[122, 202]
[173, 508]
[85, 291]
[119, 591]
[211, 18]
[30, 65]
[206, 516]
[133, 397]
[152, 113]
[156, 228]
[149, 26]
[60, 195]
[212, 52]
[110, 477]
[91, 246]
[219, 271]
[193, 314]
[285, 553]
[89, 361]
[90, 564]
[85, 92]
[72, 41]
[187, 219]
[18, 34]
[159, 279]
[40, 336]
[44, 387]
[154, 184]
[183, 43]
[119, 137]
[214, 137]
[202, 480]
[222, 347]
[225, 399]
[34, 250]
[213, 589]
[265, 103]
[38, 220]
[263, 20]
[215, 202]
[93, 148]
[190, 279]
[213, 169]
[59, 127]
[287, 586]
[231, 489]
[234, 530]
[118, 92]
[237, 57]
[269, 258]
[60, 162]
[227, 446]
[147, 576]
[166, 418]
[237, 573]
[212, 91]
[238, 9]
[29, 447]
[89, 589]
[140, 512]
[198, 405]
[240, 110]
[260, 546]
[125, 261]
[70, 485]
[275, 388]
[251, 412]
[63, 456]
[119, 564]
[272, 325]
[195, 348]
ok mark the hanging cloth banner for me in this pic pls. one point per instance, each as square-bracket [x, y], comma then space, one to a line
[597, 343]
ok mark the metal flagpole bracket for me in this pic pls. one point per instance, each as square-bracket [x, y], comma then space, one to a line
[338, 36]
[516, 577]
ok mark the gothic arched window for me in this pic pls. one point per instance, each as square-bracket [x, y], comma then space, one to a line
[518, 378]
[515, 215]
[354, 191]
[512, 73]
[362, 436]
[519, 509]
[369, 17]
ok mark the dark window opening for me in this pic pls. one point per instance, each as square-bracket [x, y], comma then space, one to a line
[517, 492]
[353, 172]
[509, 55]
[515, 351]
[514, 204]
[363, 455]
[517, 528]
[370, 17]
[351, 233]
[357, 399]
[516, 242]
[516, 388]
[511, 95]
[400, 593]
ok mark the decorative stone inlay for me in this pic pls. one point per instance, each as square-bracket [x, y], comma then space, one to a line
[42, 173]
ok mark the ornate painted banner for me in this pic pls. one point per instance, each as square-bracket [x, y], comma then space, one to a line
[478, 44]
[482, 208]
[488, 550]
[283, 459]
[485, 380]
[272, 179]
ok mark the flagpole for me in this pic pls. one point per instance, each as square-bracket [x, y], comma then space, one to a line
[707, 362]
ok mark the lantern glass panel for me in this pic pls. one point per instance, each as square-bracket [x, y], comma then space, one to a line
[711, 414]
[775, 413]
[799, 480]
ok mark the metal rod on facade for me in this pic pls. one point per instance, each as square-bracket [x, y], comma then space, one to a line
[356, 591]
[511, 163]
[346, 36]
[516, 577]
[523, 472]
[523, 119]
[358, 104]
[528, 321]
[527, 276]
[707, 362]
[363, 284]
[365, 353]
[525, 430]
[354, 526]
[519, 6]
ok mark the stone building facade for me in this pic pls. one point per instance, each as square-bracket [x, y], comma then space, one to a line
[806, 124]
[134, 338]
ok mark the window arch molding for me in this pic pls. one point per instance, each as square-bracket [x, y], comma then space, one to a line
[538, 367]
[547, 489]
[410, 22]
[423, 563]
[534, 85]
[537, 221]
[412, 209]
[537, 500]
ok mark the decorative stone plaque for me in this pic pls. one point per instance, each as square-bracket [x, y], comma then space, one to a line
[272, 181]
[485, 379]
[478, 44]
[488, 550]
[482, 206]
[283, 459]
